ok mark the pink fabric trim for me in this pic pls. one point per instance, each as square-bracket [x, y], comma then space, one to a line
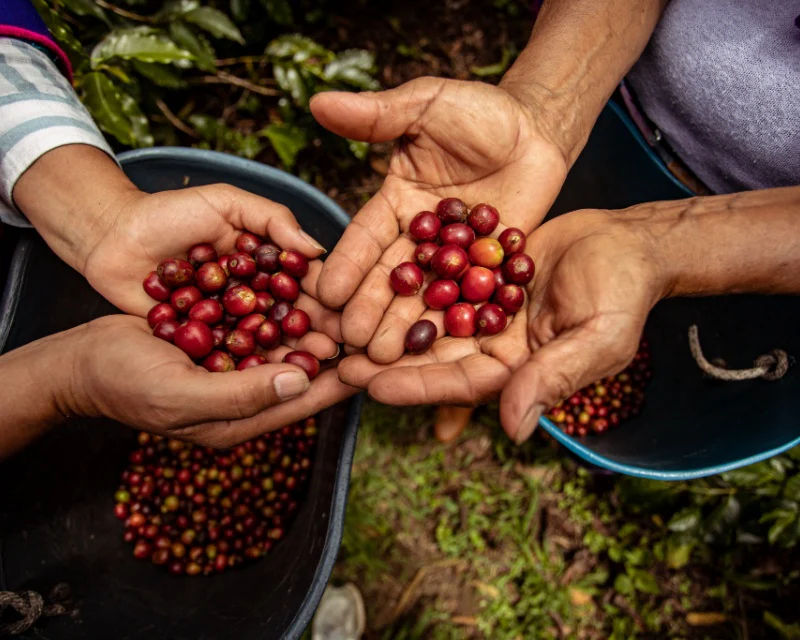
[24, 34]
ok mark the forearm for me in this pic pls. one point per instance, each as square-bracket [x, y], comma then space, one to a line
[71, 195]
[577, 54]
[741, 243]
[34, 380]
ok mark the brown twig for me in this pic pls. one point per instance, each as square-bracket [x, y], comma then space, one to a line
[123, 12]
[227, 62]
[227, 78]
[174, 121]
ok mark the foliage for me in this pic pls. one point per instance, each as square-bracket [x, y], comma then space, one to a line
[144, 69]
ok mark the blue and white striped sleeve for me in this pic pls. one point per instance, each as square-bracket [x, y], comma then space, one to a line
[39, 111]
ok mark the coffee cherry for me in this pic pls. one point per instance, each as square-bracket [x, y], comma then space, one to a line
[155, 288]
[477, 285]
[284, 287]
[486, 252]
[512, 240]
[121, 511]
[491, 319]
[406, 279]
[166, 330]
[279, 310]
[223, 262]
[264, 301]
[254, 360]
[268, 334]
[294, 263]
[239, 301]
[207, 311]
[251, 323]
[218, 334]
[450, 262]
[519, 269]
[219, 362]
[510, 297]
[260, 282]
[296, 324]
[458, 233]
[499, 278]
[211, 277]
[183, 299]
[440, 294]
[247, 243]
[160, 313]
[420, 336]
[240, 343]
[306, 361]
[459, 320]
[194, 339]
[451, 210]
[484, 219]
[143, 550]
[424, 253]
[425, 227]
[242, 265]
[267, 257]
[202, 253]
[175, 272]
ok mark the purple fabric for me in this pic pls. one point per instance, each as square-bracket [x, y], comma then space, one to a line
[19, 19]
[721, 80]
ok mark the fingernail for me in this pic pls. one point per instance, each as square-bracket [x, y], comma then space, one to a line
[290, 384]
[529, 423]
[312, 242]
[335, 355]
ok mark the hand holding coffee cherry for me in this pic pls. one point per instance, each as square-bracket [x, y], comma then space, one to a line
[467, 139]
[582, 322]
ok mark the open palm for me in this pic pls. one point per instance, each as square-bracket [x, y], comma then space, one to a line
[594, 287]
[468, 140]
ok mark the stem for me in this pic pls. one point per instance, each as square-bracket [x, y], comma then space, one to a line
[174, 121]
[124, 13]
[227, 78]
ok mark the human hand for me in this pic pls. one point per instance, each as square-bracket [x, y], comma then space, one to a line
[596, 281]
[471, 140]
[119, 370]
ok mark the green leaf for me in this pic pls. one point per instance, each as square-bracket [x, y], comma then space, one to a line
[785, 630]
[358, 149]
[240, 9]
[297, 48]
[280, 11]
[138, 43]
[215, 22]
[290, 80]
[354, 67]
[160, 74]
[287, 140]
[678, 553]
[205, 125]
[496, 69]
[175, 9]
[645, 582]
[61, 31]
[195, 44]
[86, 8]
[685, 520]
[778, 527]
[722, 520]
[623, 584]
[115, 111]
[792, 489]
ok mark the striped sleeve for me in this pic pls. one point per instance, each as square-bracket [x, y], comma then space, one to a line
[39, 111]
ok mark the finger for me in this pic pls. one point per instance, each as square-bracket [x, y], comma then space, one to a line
[322, 319]
[366, 309]
[557, 370]
[235, 395]
[375, 117]
[318, 344]
[326, 390]
[264, 217]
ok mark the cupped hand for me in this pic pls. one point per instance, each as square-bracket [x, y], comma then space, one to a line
[468, 140]
[596, 281]
[121, 371]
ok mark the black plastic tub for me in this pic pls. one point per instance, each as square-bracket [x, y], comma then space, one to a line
[56, 520]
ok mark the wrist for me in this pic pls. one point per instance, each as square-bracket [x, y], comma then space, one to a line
[72, 196]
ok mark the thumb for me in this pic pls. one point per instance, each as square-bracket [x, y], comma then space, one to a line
[236, 395]
[375, 117]
[554, 372]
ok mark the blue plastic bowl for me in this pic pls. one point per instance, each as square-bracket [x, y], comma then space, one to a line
[691, 426]
[57, 525]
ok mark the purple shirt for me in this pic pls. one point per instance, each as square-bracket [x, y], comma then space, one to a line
[19, 19]
[721, 81]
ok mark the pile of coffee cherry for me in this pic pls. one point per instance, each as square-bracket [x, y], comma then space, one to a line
[225, 312]
[198, 511]
[478, 280]
[608, 402]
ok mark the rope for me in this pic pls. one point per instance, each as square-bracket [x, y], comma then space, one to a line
[772, 366]
[30, 606]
